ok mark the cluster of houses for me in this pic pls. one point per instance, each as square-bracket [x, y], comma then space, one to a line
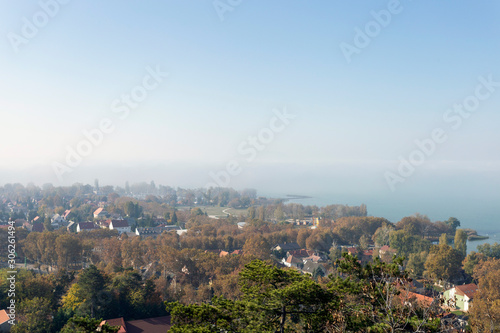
[306, 261]
[459, 297]
[102, 220]
[123, 226]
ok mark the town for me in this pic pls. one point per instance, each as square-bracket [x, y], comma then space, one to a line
[135, 256]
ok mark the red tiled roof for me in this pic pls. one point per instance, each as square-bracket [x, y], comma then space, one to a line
[386, 248]
[3, 316]
[66, 213]
[151, 325]
[116, 322]
[223, 253]
[98, 211]
[421, 299]
[466, 289]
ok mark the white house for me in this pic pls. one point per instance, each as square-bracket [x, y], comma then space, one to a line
[86, 226]
[99, 213]
[460, 297]
[120, 225]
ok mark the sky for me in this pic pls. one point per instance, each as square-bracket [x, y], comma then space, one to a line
[327, 99]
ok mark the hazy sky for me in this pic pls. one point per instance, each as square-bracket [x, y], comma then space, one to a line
[363, 81]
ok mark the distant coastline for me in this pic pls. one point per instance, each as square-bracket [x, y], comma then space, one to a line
[295, 197]
[472, 238]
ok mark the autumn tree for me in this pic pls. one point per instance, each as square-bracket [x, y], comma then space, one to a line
[461, 242]
[484, 316]
[257, 246]
[443, 262]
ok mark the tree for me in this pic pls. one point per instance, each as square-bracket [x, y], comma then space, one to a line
[490, 250]
[273, 300]
[364, 242]
[302, 237]
[471, 261]
[335, 252]
[73, 299]
[279, 215]
[461, 242]
[453, 222]
[416, 264]
[443, 262]
[382, 235]
[282, 300]
[443, 239]
[87, 324]
[484, 316]
[33, 316]
[256, 246]
[251, 212]
[92, 285]
[405, 243]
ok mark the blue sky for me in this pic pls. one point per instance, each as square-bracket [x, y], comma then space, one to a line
[353, 119]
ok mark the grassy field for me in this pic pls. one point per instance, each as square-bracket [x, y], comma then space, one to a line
[223, 211]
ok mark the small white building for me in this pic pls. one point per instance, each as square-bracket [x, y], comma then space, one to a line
[120, 225]
[86, 226]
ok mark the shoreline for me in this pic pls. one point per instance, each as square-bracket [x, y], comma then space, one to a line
[294, 197]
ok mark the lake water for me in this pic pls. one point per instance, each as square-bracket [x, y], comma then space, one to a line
[494, 238]
[482, 218]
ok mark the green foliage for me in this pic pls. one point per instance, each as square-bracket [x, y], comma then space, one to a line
[405, 243]
[33, 316]
[91, 283]
[461, 242]
[490, 250]
[453, 222]
[279, 300]
[416, 264]
[87, 325]
[443, 262]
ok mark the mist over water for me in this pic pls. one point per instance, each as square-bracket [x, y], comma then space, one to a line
[472, 196]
